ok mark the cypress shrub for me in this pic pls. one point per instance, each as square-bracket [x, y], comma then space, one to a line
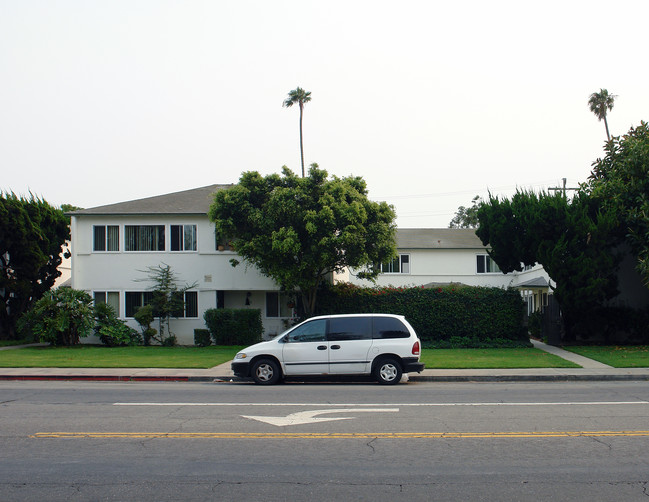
[448, 316]
[234, 326]
[202, 337]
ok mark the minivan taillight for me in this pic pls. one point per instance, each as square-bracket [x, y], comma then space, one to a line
[415, 348]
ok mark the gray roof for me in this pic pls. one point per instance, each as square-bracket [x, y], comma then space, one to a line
[438, 238]
[194, 201]
[537, 282]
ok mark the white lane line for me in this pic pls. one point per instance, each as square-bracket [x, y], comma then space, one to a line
[568, 403]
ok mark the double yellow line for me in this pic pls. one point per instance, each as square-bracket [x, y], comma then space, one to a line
[333, 435]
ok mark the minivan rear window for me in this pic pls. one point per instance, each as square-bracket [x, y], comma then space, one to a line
[350, 328]
[389, 327]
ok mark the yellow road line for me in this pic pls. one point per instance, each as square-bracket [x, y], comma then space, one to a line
[333, 435]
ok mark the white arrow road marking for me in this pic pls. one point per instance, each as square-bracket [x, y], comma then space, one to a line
[309, 417]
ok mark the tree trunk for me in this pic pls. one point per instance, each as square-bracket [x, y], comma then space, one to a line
[605, 125]
[301, 147]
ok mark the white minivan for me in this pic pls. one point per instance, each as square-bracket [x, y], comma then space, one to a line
[382, 345]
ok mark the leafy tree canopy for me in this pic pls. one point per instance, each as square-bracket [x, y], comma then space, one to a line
[32, 237]
[299, 230]
[571, 239]
[466, 217]
[620, 183]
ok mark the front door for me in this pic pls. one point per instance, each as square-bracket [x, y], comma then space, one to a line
[306, 351]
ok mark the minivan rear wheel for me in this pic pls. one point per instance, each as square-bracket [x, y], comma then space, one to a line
[266, 372]
[388, 371]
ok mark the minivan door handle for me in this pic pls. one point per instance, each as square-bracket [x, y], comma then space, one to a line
[322, 347]
[335, 347]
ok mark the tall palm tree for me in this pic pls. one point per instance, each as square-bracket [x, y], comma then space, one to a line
[299, 96]
[601, 102]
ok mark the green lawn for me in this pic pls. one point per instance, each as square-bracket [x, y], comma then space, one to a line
[88, 356]
[492, 358]
[633, 356]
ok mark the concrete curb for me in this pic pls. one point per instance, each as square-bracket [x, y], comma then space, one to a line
[411, 378]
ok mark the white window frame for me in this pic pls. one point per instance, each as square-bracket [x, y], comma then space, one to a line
[488, 263]
[107, 234]
[403, 260]
[106, 293]
[164, 238]
[186, 231]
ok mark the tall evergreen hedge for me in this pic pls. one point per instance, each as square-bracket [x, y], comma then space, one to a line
[449, 316]
[234, 326]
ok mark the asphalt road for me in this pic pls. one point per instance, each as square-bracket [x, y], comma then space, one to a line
[427, 441]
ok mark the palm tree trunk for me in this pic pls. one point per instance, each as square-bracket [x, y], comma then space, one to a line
[301, 147]
[605, 125]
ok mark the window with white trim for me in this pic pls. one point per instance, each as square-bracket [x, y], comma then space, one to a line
[183, 238]
[485, 265]
[144, 237]
[109, 297]
[105, 238]
[400, 265]
[190, 305]
[133, 300]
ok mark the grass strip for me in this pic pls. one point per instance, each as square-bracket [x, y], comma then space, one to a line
[631, 356]
[492, 359]
[90, 356]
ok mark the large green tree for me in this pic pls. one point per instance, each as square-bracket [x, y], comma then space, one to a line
[466, 217]
[32, 238]
[573, 240]
[299, 230]
[299, 96]
[620, 183]
[600, 103]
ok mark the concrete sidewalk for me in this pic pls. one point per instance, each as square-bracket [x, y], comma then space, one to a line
[590, 370]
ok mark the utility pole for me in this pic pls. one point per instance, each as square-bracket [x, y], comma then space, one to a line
[564, 188]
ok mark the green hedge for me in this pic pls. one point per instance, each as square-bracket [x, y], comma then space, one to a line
[202, 337]
[449, 316]
[234, 326]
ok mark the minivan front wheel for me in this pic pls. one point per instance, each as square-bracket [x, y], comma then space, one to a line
[388, 371]
[266, 372]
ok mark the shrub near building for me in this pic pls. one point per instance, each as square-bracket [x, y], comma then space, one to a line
[449, 316]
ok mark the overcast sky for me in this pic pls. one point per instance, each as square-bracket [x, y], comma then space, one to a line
[431, 102]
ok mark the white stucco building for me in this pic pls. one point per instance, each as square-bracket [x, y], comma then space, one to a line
[113, 246]
[438, 256]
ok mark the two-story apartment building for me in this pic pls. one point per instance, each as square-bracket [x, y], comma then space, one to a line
[113, 246]
[438, 256]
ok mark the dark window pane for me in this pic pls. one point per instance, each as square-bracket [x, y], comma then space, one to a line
[191, 304]
[389, 327]
[481, 264]
[272, 304]
[100, 238]
[133, 301]
[350, 328]
[176, 238]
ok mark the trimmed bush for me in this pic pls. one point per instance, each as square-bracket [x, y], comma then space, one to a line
[234, 326]
[113, 331]
[202, 337]
[449, 316]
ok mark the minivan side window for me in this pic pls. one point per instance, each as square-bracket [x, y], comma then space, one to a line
[313, 331]
[350, 328]
[389, 327]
